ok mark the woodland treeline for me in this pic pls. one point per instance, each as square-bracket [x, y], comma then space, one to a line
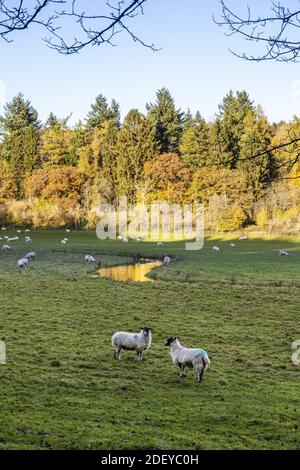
[239, 165]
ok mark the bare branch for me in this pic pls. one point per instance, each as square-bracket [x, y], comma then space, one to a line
[89, 28]
[278, 33]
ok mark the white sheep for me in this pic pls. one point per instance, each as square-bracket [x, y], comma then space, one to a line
[125, 240]
[243, 238]
[3, 229]
[283, 253]
[188, 358]
[167, 260]
[13, 239]
[23, 263]
[19, 231]
[63, 242]
[160, 244]
[6, 248]
[27, 230]
[216, 249]
[89, 259]
[138, 342]
[68, 230]
[31, 255]
[232, 245]
[28, 240]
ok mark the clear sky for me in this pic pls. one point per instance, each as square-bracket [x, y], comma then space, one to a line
[194, 64]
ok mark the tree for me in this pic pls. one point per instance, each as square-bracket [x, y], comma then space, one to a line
[256, 140]
[61, 185]
[101, 111]
[277, 32]
[92, 27]
[195, 144]
[20, 130]
[230, 124]
[167, 178]
[18, 114]
[168, 121]
[52, 120]
[136, 144]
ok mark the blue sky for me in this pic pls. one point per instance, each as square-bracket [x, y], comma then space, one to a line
[194, 64]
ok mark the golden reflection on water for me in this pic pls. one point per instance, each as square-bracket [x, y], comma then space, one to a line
[132, 272]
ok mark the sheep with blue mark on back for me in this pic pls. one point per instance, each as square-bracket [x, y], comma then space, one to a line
[138, 342]
[187, 357]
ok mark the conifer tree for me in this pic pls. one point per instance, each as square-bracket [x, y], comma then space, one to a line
[168, 121]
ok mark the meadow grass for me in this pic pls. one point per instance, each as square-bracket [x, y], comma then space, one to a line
[62, 389]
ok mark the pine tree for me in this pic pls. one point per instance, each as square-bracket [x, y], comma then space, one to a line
[101, 111]
[168, 121]
[20, 129]
[136, 144]
[255, 160]
[52, 120]
[195, 144]
[232, 113]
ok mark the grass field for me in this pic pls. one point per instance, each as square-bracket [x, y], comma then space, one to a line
[62, 389]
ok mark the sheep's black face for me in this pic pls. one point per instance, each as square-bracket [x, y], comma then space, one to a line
[146, 331]
[170, 340]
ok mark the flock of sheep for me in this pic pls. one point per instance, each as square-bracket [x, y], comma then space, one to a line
[184, 358]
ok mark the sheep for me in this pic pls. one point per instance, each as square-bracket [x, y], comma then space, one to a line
[6, 248]
[68, 230]
[1, 239]
[27, 230]
[160, 244]
[125, 240]
[64, 242]
[31, 255]
[28, 240]
[232, 245]
[13, 239]
[66, 239]
[216, 249]
[19, 231]
[243, 238]
[283, 253]
[89, 259]
[138, 342]
[23, 263]
[167, 260]
[187, 357]
[3, 229]
[138, 239]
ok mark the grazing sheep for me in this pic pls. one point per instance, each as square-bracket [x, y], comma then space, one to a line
[125, 240]
[68, 230]
[232, 245]
[138, 342]
[138, 239]
[160, 244]
[31, 255]
[216, 249]
[27, 230]
[243, 238]
[3, 229]
[6, 248]
[188, 358]
[283, 254]
[89, 259]
[19, 231]
[23, 263]
[64, 242]
[167, 260]
[1, 239]
[28, 240]
[120, 237]
[13, 239]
